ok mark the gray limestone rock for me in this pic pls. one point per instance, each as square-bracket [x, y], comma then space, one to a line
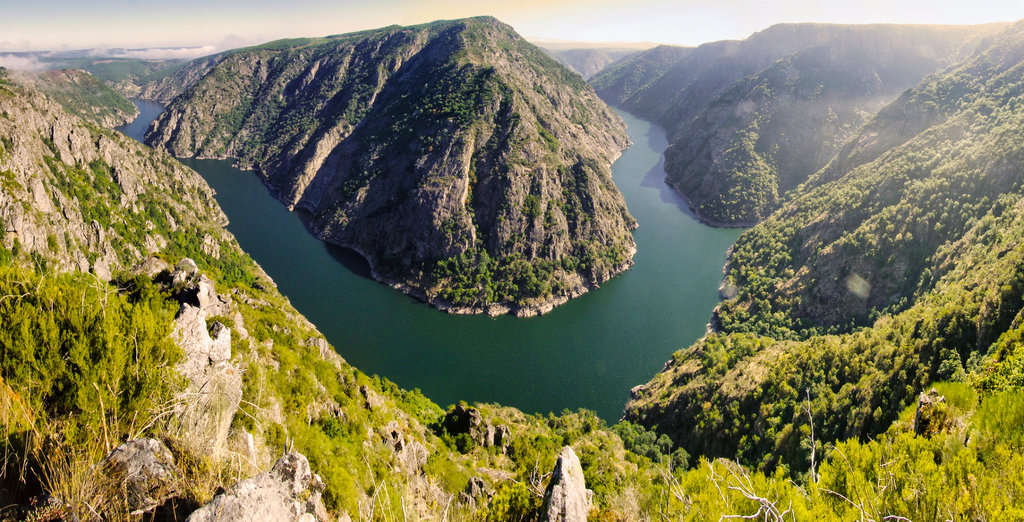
[290, 491]
[144, 470]
[567, 498]
[410, 453]
[214, 390]
[464, 419]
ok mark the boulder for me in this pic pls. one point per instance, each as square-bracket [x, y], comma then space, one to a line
[567, 498]
[502, 437]
[185, 269]
[143, 469]
[290, 491]
[372, 401]
[152, 267]
[462, 419]
[194, 288]
[210, 246]
[476, 488]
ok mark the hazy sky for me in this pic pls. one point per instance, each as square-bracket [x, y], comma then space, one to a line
[49, 24]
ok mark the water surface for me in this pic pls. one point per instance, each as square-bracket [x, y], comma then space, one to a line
[587, 353]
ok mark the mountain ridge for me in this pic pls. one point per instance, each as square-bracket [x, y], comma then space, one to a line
[501, 138]
[751, 119]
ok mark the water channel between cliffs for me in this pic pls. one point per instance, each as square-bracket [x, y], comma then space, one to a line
[587, 353]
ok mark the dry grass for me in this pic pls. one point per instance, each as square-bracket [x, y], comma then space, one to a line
[71, 475]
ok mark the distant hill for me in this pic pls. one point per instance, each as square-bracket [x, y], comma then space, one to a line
[750, 120]
[588, 61]
[468, 167]
[125, 70]
[84, 95]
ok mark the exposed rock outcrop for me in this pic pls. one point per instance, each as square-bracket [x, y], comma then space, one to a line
[567, 498]
[144, 471]
[411, 454]
[932, 415]
[65, 183]
[211, 398]
[196, 289]
[463, 419]
[290, 491]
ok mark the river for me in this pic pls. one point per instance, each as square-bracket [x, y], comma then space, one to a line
[587, 353]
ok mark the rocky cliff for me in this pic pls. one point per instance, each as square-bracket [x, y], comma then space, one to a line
[750, 120]
[468, 167]
[166, 80]
[86, 198]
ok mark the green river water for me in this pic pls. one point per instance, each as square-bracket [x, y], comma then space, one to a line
[587, 353]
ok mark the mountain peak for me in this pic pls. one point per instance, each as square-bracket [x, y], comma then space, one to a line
[485, 160]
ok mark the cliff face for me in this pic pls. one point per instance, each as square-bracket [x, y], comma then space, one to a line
[468, 167]
[87, 198]
[750, 120]
[168, 80]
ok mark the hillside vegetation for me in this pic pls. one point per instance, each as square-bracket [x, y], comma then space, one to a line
[871, 283]
[467, 166]
[85, 96]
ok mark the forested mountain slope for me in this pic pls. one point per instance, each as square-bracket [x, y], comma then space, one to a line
[750, 120]
[911, 258]
[467, 166]
[619, 81]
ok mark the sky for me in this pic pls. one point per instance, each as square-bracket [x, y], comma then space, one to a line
[215, 25]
